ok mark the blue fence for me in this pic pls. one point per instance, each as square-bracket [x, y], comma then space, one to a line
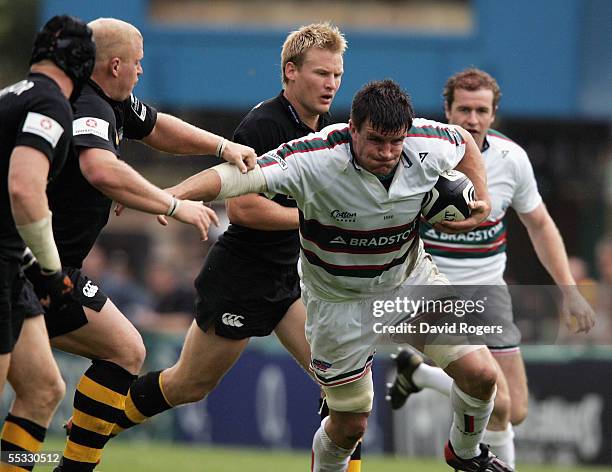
[551, 57]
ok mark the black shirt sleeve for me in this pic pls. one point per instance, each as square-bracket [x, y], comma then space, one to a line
[140, 118]
[261, 134]
[94, 124]
[46, 126]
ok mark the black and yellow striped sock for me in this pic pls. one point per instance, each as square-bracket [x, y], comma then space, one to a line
[144, 400]
[98, 400]
[20, 435]
[355, 461]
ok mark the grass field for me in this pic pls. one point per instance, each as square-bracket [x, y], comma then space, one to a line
[153, 457]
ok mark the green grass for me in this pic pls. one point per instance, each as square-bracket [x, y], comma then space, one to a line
[151, 457]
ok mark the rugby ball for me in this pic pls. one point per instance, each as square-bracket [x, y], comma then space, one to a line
[448, 200]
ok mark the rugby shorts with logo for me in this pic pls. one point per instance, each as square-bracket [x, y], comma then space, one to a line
[87, 293]
[241, 298]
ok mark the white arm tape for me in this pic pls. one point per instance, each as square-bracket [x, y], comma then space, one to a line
[235, 183]
[38, 236]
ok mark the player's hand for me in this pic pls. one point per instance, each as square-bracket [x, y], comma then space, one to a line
[576, 311]
[196, 214]
[32, 270]
[59, 289]
[242, 156]
[480, 212]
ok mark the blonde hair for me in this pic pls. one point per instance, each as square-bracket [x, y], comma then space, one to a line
[113, 38]
[316, 35]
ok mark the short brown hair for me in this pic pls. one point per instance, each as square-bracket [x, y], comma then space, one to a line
[471, 79]
[316, 35]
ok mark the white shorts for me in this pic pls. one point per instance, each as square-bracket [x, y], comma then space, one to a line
[342, 336]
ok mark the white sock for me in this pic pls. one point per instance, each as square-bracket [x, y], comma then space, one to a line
[470, 418]
[326, 455]
[426, 376]
[501, 444]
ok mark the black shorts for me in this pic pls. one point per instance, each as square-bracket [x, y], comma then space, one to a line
[243, 298]
[72, 316]
[28, 302]
[11, 318]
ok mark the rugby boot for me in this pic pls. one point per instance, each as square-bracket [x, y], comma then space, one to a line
[485, 462]
[406, 362]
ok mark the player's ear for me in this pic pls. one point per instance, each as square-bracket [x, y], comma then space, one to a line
[113, 65]
[446, 110]
[290, 70]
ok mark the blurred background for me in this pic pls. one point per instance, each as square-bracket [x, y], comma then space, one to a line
[210, 62]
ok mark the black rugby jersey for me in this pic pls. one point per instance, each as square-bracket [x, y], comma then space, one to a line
[80, 211]
[33, 113]
[265, 127]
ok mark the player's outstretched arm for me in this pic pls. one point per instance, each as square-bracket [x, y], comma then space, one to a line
[220, 182]
[119, 181]
[549, 247]
[473, 166]
[176, 136]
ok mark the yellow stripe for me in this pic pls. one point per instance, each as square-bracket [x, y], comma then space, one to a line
[91, 423]
[79, 453]
[354, 466]
[10, 468]
[100, 393]
[18, 436]
[132, 412]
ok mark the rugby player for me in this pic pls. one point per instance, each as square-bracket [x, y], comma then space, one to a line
[378, 168]
[471, 100]
[35, 132]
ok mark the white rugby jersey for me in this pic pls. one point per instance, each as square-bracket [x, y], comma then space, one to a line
[356, 237]
[479, 257]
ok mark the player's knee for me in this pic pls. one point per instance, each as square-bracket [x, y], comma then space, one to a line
[131, 355]
[480, 380]
[356, 428]
[350, 427]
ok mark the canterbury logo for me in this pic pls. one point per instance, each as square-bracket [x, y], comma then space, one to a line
[90, 289]
[230, 319]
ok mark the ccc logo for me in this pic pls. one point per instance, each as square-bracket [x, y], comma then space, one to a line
[230, 319]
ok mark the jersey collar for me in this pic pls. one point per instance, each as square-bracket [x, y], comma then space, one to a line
[324, 119]
[485, 145]
[102, 93]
